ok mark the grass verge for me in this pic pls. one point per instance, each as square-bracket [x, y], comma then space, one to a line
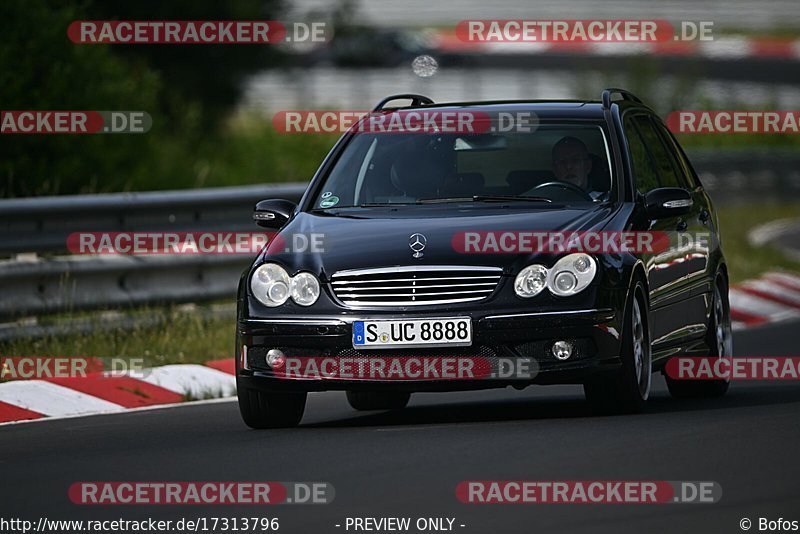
[178, 336]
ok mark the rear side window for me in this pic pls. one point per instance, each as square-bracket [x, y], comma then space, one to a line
[667, 173]
[644, 169]
[687, 175]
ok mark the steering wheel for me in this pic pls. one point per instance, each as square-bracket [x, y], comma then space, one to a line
[566, 186]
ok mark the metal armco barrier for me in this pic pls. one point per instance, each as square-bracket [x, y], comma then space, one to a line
[42, 224]
[87, 283]
[54, 283]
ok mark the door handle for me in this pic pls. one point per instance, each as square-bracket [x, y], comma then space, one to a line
[682, 226]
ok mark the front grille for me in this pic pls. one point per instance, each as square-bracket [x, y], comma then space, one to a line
[414, 286]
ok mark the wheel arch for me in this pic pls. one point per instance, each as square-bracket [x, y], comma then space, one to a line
[638, 274]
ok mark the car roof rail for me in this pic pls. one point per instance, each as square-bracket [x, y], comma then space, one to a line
[416, 100]
[626, 95]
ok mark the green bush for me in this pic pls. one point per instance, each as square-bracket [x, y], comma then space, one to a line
[42, 69]
[189, 91]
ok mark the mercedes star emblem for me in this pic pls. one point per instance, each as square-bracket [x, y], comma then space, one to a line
[417, 243]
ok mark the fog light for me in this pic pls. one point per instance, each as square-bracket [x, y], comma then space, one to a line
[275, 358]
[562, 350]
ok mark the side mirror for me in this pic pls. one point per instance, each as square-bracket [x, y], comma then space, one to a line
[273, 213]
[667, 202]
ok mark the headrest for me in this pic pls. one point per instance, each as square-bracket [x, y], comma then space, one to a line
[420, 169]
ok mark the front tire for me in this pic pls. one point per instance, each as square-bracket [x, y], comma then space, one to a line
[377, 400]
[720, 339]
[266, 409]
[627, 389]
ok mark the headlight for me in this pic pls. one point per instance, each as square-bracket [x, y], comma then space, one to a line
[273, 286]
[571, 274]
[530, 281]
[270, 284]
[305, 289]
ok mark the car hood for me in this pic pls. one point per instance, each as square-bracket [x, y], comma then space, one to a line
[381, 237]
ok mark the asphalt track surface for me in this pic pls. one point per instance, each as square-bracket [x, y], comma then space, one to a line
[407, 464]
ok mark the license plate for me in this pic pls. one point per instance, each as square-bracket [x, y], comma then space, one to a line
[450, 332]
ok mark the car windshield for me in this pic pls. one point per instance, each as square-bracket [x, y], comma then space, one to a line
[563, 163]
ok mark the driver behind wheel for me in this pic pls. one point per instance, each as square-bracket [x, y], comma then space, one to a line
[573, 169]
[571, 162]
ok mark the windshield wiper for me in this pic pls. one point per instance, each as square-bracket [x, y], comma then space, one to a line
[474, 198]
[365, 205]
[483, 198]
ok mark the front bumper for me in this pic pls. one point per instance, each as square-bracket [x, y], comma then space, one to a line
[512, 337]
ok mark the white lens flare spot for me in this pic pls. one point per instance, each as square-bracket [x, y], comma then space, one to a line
[424, 66]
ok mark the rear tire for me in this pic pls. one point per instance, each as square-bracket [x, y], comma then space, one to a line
[263, 409]
[719, 337]
[627, 389]
[377, 400]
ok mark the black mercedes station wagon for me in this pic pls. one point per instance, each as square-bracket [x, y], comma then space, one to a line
[427, 273]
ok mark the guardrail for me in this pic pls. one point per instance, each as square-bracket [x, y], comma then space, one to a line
[33, 284]
[38, 279]
[42, 224]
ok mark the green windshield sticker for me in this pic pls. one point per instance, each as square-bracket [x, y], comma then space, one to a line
[328, 202]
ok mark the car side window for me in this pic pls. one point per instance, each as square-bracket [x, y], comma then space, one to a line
[686, 173]
[667, 172]
[644, 170]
